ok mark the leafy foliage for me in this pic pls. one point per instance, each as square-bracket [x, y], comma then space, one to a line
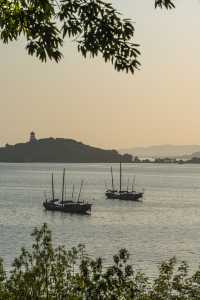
[48, 273]
[164, 3]
[95, 25]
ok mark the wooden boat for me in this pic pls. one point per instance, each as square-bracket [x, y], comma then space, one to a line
[122, 194]
[67, 206]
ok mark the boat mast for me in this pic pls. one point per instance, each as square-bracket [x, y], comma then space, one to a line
[120, 177]
[112, 178]
[65, 198]
[106, 187]
[52, 187]
[63, 185]
[73, 192]
[80, 190]
[133, 184]
[127, 184]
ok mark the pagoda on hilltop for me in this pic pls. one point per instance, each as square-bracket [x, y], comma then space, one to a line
[32, 139]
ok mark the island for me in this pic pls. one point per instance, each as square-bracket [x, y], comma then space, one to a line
[59, 150]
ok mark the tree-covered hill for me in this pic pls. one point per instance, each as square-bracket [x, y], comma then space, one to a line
[59, 150]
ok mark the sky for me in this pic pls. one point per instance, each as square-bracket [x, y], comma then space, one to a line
[87, 100]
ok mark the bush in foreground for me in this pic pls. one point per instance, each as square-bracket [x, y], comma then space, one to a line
[48, 273]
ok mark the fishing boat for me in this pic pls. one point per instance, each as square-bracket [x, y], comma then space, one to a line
[67, 206]
[122, 194]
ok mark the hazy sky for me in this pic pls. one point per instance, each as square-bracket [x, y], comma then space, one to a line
[87, 100]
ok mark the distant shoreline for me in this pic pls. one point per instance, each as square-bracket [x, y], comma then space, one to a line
[108, 162]
[167, 160]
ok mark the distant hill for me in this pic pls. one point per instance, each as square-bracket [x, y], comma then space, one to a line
[162, 151]
[59, 150]
[194, 154]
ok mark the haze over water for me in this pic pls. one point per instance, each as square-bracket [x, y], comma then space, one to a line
[165, 224]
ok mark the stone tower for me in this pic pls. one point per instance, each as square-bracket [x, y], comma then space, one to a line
[32, 137]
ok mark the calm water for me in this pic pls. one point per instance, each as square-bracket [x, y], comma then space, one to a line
[165, 224]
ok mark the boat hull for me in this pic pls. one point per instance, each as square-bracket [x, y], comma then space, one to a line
[129, 196]
[72, 208]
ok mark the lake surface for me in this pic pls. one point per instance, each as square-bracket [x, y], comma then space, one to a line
[164, 224]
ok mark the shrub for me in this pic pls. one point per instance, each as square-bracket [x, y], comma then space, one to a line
[48, 273]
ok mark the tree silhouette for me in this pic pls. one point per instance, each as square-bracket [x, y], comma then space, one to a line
[95, 25]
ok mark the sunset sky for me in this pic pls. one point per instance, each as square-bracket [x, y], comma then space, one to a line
[88, 101]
